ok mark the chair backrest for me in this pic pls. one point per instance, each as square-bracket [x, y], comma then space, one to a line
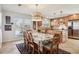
[56, 39]
[30, 38]
[25, 35]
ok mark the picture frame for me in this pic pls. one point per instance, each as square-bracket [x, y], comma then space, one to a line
[8, 19]
[8, 27]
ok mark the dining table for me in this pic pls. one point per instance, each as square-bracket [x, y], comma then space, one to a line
[39, 38]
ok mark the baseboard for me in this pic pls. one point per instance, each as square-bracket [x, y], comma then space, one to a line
[74, 38]
[11, 41]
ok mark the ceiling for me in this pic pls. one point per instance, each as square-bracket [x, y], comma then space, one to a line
[48, 10]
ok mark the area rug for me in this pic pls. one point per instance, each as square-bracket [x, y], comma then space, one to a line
[23, 50]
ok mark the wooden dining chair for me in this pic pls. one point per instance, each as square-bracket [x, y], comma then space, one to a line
[25, 39]
[56, 42]
[53, 46]
[37, 48]
[30, 42]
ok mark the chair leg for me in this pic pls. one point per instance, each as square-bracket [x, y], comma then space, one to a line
[28, 48]
[57, 49]
[33, 50]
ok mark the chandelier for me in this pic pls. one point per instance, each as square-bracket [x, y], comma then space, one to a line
[37, 16]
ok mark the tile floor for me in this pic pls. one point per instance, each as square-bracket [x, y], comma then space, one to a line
[10, 47]
[71, 45]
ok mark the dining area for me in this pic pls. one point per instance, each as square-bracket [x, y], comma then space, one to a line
[41, 43]
[39, 32]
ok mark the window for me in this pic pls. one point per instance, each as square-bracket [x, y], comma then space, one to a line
[46, 23]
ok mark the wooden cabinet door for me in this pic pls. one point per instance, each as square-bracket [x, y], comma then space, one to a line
[39, 23]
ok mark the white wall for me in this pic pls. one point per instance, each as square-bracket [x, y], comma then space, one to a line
[0, 27]
[9, 35]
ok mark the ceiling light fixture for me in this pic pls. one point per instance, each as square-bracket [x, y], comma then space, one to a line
[61, 20]
[37, 16]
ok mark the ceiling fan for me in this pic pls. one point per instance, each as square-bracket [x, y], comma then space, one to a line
[36, 14]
